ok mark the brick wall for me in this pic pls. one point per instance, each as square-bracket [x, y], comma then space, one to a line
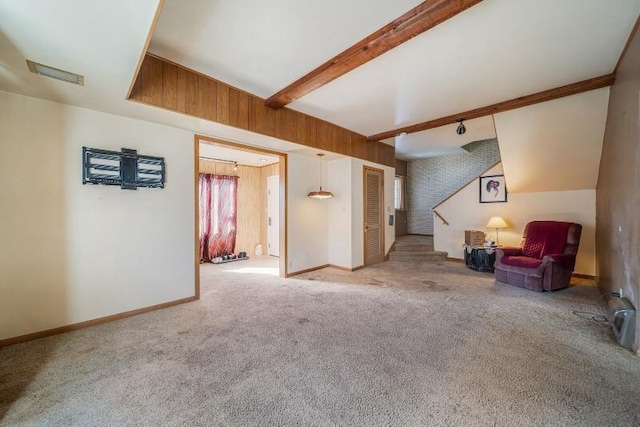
[433, 179]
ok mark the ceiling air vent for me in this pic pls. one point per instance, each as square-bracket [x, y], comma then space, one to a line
[55, 73]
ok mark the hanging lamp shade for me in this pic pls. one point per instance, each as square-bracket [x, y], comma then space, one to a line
[320, 194]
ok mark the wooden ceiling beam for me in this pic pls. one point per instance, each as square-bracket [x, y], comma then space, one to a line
[418, 20]
[523, 101]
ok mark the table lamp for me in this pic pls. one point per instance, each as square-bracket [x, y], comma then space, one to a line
[497, 222]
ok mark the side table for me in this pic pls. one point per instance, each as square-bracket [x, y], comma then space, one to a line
[480, 258]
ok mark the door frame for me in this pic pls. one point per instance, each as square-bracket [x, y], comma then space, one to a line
[364, 213]
[282, 173]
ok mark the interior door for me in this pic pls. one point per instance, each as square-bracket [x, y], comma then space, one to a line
[373, 216]
[273, 215]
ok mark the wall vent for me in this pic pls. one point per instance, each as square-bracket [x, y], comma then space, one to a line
[55, 73]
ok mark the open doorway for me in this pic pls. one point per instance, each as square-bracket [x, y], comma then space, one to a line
[240, 208]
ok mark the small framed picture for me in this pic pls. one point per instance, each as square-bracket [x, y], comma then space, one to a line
[493, 189]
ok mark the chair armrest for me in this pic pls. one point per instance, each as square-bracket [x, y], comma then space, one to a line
[508, 251]
[566, 260]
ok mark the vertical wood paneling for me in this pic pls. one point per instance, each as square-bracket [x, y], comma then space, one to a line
[171, 86]
[343, 143]
[207, 98]
[325, 135]
[181, 95]
[261, 118]
[156, 80]
[243, 110]
[222, 105]
[307, 131]
[234, 113]
[249, 220]
[358, 149]
[191, 97]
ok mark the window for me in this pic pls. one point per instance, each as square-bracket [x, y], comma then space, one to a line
[399, 193]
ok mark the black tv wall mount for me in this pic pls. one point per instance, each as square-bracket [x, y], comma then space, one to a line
[126, 168]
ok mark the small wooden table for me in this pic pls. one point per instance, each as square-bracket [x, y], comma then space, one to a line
[480, 258]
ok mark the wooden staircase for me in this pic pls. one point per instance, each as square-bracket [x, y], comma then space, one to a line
[414, 248]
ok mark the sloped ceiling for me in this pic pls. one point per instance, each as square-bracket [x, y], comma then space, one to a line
[555, 145]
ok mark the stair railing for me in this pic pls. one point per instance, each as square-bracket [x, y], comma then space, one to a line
[444, 221]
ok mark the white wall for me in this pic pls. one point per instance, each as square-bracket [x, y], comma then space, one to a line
[331, 231]
[71, 252]
[308, 236]
[464, 212]
[340, 213]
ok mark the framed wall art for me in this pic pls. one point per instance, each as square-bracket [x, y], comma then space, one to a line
[493, 189]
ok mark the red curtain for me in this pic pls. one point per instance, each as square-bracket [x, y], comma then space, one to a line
[218, 215]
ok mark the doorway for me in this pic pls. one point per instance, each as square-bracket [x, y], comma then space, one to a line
[258, 171]
[373, 180]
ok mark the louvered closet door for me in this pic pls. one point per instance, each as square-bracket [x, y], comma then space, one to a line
[373, 216]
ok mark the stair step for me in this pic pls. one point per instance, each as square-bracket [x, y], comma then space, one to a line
[417, 248]
[431, 256]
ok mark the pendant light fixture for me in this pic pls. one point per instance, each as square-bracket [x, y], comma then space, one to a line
[461, 129]
[320, 194]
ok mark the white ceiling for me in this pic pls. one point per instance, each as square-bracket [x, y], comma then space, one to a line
[242, 157]
[496, 50]
[262, 46]
[443, 140]
[103, 41]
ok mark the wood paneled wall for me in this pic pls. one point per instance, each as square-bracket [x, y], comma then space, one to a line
[249, 224]
[164, 84]
[265, 171]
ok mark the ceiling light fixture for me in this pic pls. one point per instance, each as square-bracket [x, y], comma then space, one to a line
[320, 194]
[55, 73]
[461, 129]
[231, 162]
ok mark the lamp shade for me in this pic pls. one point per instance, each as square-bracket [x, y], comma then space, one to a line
[320, 194]
[497, 222]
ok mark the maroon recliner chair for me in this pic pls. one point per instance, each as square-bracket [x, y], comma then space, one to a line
[545, 260]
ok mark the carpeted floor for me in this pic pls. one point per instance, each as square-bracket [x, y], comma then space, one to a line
[394, 344]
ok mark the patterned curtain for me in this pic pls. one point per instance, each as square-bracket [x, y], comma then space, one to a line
[218, 215]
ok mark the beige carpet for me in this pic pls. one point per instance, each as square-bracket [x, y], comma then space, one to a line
[395, 344]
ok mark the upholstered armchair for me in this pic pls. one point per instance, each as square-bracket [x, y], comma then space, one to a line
[545, 259]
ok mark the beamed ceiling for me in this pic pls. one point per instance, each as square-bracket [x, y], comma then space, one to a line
[379, 68]
[439, 59]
